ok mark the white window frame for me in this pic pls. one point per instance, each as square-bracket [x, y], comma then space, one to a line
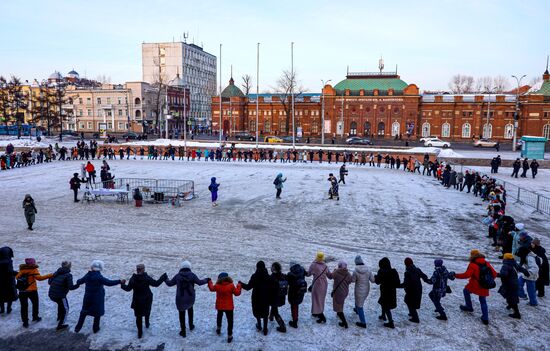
[546, 131]
[445, 130]
[425, 129]
[509, 131]
[466, 130]
[487, 131]
[395, 127]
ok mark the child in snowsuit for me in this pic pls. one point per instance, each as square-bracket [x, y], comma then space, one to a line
[278, 182]
[333, 191]
[439, 289]
[213, 187]
[225, 290]
[29, 270]
[30, 210]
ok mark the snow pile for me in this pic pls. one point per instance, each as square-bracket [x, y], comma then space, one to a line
[449, 153]
[381, 212]
[23, 142]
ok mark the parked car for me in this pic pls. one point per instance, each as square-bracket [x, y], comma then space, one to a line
[130, 136]
[273, 139]
[437, 143]
[244, 136]
[288, 139]
[358, 141]
[485, 143]
[430, 137]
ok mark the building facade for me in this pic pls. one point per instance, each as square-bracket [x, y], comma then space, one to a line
[382, 105]
[162, 62]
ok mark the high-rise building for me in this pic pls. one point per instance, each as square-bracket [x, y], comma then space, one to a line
[163, 62]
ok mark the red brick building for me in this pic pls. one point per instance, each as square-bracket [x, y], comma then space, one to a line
[382, 105]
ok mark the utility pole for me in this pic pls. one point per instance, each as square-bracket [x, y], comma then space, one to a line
[292, 91]
[516, 115]
[220, 94]
[257, 89]
[323, 111]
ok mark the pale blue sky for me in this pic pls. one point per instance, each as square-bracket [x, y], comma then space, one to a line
[429, 40]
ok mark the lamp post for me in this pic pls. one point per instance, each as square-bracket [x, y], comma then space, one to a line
[220, 94]
[292, 92]
[516, 115]
[486, 127]
[323, 111]
[257, 89]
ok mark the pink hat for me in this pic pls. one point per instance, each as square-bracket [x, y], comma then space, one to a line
[30, 261]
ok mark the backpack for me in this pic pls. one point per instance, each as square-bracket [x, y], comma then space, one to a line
[283, 289]
[486, 279]
[302, 285]
[276, 181]
[22, 283]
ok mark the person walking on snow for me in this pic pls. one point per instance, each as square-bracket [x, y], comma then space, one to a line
[185, 294]
[527, 261]
[75, 185]
[142, 298]
[388, 279]
[278, 182]
[543, 279]
[340, 290]
[318, 288]
[278, 295]
[439, 287]
[510, 284]
[29, 275]
[297, 288]
[413, 288]
[30, 210]
[60, 284]
[343, 174]
[225, 290]
[261, 284]
[333, 191]
[8, 292]
[481, 278]
[213, 188]
[362, 277]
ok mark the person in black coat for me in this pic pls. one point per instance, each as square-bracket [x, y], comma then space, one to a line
[8, 292]
[279, 292]
[534, 168]
[516, 166]
[60, 285]
[525, 166]
[93, 303]
[142, 299]
[542, 262]
[388, 279]
[510, 286]
[297, 288]
[75, 185]
[185, 294]
[260, 283]
[413, 288]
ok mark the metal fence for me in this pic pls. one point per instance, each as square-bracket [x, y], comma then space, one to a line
[527, 197]
[159, 190]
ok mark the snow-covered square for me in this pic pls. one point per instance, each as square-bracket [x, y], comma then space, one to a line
[381, 213]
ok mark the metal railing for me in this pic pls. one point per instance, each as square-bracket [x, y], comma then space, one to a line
[527, 197]
[152, 188]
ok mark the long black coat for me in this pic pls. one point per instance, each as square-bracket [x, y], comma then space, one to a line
[277, 297]
[388, 279]
[509, 277]
[185, 294]
[543, 269]
[142, 298]
[297, 273]
[8, 292]
[61, 283]
[413, 286]
[93, 303]
[261, 283]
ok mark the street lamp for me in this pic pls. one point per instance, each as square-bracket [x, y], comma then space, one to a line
[485, 132]
[323, 110]
[516, 115]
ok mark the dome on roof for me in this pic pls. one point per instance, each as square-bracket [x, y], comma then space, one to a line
[232, 90]
[73, 74]
[369, 82]
[177, 82]
[55, 76]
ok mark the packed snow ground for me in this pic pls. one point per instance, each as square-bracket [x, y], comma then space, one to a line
[381, 213]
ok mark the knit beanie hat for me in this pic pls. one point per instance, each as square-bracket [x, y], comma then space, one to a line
[66, 264]
[438, 262]
[522, 235]
[320, 256]
[408, 261]
[520, 226]
[97, 265]
[508, 256]
[223, 275]
[185, 264]
[536, 241]
[474, 252]
[30, 261]
[292, 263]
[359, 260]
[342, 264]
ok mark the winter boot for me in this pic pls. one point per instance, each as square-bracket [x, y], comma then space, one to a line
[484, 321]
[183, 333]
[466, 308]
[258, 324]
[139, 324]
[442, 317]
[361, 325]
[229, 339]
[293, 324]
[61, 327]
[382, 317]
[322, 318]
[343, 322]
[218, 331]
[389, 325]
[281, 328]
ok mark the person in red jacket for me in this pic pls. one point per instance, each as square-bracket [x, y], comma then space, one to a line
[225, 290]
[477, 260]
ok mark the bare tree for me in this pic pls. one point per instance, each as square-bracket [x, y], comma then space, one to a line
[468, 85]
[16, 102]
[160, 83]
[501, 84]
[247, 84]
[535, 81]
[486, 84]
[103, 79]
[285, 85]
[461, 84]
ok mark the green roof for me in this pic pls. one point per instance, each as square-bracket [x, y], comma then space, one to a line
[232, 90]
[544, 89]
[369, 84]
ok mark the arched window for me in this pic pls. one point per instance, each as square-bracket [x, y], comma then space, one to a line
[137, 101]
[546, 131]
[381, 128]
[315, 127]
[425, 129]
[395, 128]
[509, 131]
[138, 114]
[466, 130]
[353, 128]
[366, 129]
[445, 130]
[487, 130]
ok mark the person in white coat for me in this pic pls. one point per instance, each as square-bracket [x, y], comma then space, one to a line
[362, 277]
[528, 262]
